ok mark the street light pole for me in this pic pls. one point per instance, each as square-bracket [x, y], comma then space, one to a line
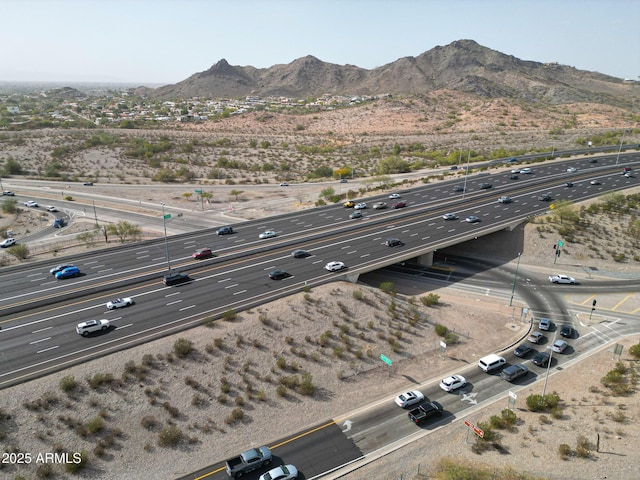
[464, 187]
[620, 149]
[166, 241]
[544, 388]
[515, 278]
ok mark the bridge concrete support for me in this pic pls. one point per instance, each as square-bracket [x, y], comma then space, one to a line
[425, 259]
[352, 277]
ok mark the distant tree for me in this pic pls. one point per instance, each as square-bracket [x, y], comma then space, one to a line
[9, 205]
[124, 230]
[12, 167]
[236, 193]
[392, 165]
[327, 193]
[20, 251]
[564, 210]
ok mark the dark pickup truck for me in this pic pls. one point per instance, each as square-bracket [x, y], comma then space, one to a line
[424, 411]
[247, 461]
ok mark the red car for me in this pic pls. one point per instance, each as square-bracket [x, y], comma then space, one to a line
[399, 204]
[202, 253]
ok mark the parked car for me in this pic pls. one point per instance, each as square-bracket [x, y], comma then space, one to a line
[379, 205]
[278, 274]
[407, 399]
[484, 186]
[559, 278]
[267, 234]
[356, 214]
[567, 331]
[472, 219]
[559, 346]
[224, 230]
[31, 203]
[536, 337]
[8, 242]
[85, 328]
[335, 266]
[68, 272]
[450, 216]
[544, 324]
[393, 242]
[523, 350]
[452, 383]
[300, 254]
[504, 199]
[202, 253]
[283, 472]
[400, 204]
[541, 359]
[120, 303]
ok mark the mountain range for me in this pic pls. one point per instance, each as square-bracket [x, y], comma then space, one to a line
[463, 66]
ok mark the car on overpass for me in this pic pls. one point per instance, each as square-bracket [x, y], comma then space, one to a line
[67, 272]
[300, 254]
[267, 234]
[485, 186]
[458, 188]
[450, 216]
[120, 303]
[278, 274]
[504, 199]
[85, 328]
[545, 197]
[356, 214]
[335, 266]
[472, 219]
[379, 205]
[202, 254]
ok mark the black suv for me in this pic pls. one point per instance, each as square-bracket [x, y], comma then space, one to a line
[484, 186]
[224, 231]
[393, 242]
[566, 331]
[176, 278]
[541, 359]
[545, 198]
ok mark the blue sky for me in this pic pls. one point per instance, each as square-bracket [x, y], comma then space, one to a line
[166, 41]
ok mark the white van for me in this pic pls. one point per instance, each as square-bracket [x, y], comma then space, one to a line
[491, 362]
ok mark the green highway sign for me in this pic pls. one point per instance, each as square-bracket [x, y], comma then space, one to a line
[198, 191]
[385, 359]
[168, 215]
[560, 243]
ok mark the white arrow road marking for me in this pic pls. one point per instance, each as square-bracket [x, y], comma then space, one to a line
[470, 397]
[347, 424]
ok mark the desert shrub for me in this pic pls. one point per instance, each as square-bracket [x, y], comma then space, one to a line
[95, 425]
[430, 300]
[170, 436]
[634, 350]
[149, 422]
[281, 362]
[306, 385]
[236, 415]
[441, 330]
[148, 360]
[68, 384]
[388, 287]
[229, 315]
[101, 379]
[282, 391]
[75, 467]
[538, 403]
[44, 470]
[564, 451]
[451, 338]
[583, 447]
[182, 347]
[173, 411]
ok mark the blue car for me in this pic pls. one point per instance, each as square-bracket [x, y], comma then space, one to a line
[68, 273]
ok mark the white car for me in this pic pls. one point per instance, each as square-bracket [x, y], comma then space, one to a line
[407, 399]
[572, 170]
[452, 383]
[283, 472]
[526, 170]
[394, 195]
[515, 170]
[51, 208]
[360, 206]
[559, 346]
[85, 328]
[592, 182]
[120, 303]
[30, 203]
[284, 184]
[335, 266]
[450, 216]
[504, 199]
[544, 324]
[267, 234]
[379, 205]
[562, 279]
[8, 242]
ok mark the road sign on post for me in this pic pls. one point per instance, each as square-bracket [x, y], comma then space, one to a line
[476, 430]
[168, 215]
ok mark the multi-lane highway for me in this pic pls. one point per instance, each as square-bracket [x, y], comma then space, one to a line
[39, 313]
